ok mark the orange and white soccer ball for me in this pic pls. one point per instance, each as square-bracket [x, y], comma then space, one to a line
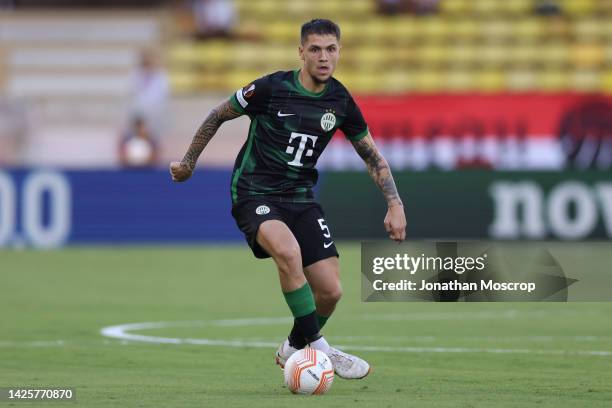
[309, 371]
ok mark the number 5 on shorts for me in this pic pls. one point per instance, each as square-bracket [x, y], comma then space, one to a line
[324, 227]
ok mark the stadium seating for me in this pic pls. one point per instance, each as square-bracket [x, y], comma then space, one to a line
[469, 45]
[67, 65]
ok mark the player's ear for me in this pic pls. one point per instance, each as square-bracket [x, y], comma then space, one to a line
[301, 52]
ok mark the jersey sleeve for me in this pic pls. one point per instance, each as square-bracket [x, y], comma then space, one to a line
[354, 126]
[253, 98]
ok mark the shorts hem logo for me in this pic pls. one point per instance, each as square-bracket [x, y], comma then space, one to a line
[262, 210]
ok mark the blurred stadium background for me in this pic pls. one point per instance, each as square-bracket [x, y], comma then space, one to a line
[495, 115]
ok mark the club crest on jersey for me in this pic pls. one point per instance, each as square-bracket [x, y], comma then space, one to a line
[328, 121]
[262, 210]
[248, 90]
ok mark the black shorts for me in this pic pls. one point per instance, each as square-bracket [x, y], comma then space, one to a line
[305, 220]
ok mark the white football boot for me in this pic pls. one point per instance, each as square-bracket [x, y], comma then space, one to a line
[283, 353]
[348, 366]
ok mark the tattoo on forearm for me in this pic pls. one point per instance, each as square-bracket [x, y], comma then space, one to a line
[378, 168]
[207, 130]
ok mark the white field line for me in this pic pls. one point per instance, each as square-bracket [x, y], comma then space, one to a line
[36, 343]
[540, 339]
[121, 332]
[510, 314]
[264, 341]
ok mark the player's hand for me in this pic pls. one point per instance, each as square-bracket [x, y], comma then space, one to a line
[180, 171]
[395, 223]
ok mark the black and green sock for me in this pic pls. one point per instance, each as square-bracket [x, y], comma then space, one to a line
[302, 305]
[297, 339]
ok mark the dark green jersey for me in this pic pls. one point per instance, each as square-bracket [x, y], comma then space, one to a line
[290, 127]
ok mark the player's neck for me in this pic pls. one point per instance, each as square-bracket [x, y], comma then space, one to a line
[308, 83]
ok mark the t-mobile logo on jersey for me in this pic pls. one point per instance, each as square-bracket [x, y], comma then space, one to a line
[303, 141]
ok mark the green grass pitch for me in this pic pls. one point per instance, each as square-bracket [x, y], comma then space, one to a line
[54, 304]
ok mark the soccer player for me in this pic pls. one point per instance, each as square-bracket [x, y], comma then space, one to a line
[294, 115]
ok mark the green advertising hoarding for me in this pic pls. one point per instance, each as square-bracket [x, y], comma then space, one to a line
[475, 205]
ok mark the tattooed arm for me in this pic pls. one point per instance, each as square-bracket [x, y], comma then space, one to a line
[395, 220]
[182, 170]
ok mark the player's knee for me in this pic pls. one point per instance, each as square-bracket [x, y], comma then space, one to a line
[329, 296]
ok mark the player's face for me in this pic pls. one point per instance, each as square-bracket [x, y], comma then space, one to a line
[320, 54]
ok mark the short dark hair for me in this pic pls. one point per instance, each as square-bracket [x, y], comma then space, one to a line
[320, 26]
